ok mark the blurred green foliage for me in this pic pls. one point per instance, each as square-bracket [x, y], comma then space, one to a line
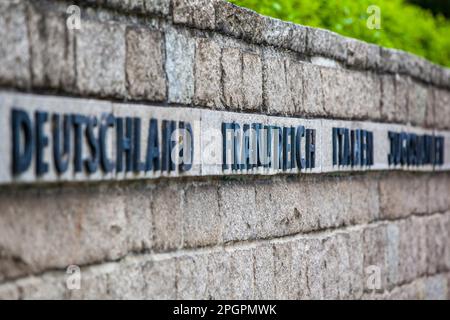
[403, 25]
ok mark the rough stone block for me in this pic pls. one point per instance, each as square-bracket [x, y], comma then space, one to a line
[388, 105]
[139, 215]
[220, 279]
[277, 96]
[239, 22]
[208, 74]
[411, 249]
[294, 76]
[242, 79]
[180, 52]
[47, 287]
[436, 288]
[375, 249]
[283, 34]
[232, 78]
[359, 92]
[393, 254]
[14, 51]
[80, 220]
[100, 59]
[264, 286]
[342, 266]
[9, 291]
[145, 64]
[390, 60]
[313, 100]
[95, 282]
[237, 206]
[282, 268]
[159, 279]
[395, 195]
[417, 103]
[441, 108]
[52, 50]
[195, 13]
[437, 243]
[325, 43]
[439, 193]
[252, 82]
[280, 208]
[126, 280]
[241, 274]
[167, 209]
[202, 220]
[192, 277]
[160, 7]
[357, 52]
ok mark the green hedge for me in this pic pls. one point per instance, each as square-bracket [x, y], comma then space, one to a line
[403, 25]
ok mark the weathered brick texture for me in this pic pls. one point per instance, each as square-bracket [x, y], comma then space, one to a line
[319, 236]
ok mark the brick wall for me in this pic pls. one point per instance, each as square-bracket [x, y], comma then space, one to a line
[288, 236]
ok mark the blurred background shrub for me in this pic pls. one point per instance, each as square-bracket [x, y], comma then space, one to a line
[417, 26]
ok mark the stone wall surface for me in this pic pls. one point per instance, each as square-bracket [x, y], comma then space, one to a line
[294, 236]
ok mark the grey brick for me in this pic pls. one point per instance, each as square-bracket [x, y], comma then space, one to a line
[9, 291]
[326, 43]
[180, 52]
[375, 246]
[220, 279]
[241, 274]
[47, 287]
[126, 280]
[232, 78]
[202, 220]
[252, 81]
[80, 220]
[283, 269]
[395, 195]
[437, 243]
[313, 102]
[159, 279]
[277, 96]
[373, 56]
[139, 215]
[95, 282]
[160, 7]
[100, 59]
[393, 254]
[167, 209]
[294, 75]
[417, 103]
[358, 91]
[208, 74]
[412, 250]
[192, 277]
[441, 108]
[388, 99]
[52, 50]
[283, 34]
[242, 79]
[264, 273]
[195, 13]
[146, 78]
[436, 288]
[438, 193]
[357, 52]
[237, 205]
[14, 51]
[343, 262]
[239, 22]
[390, 60]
